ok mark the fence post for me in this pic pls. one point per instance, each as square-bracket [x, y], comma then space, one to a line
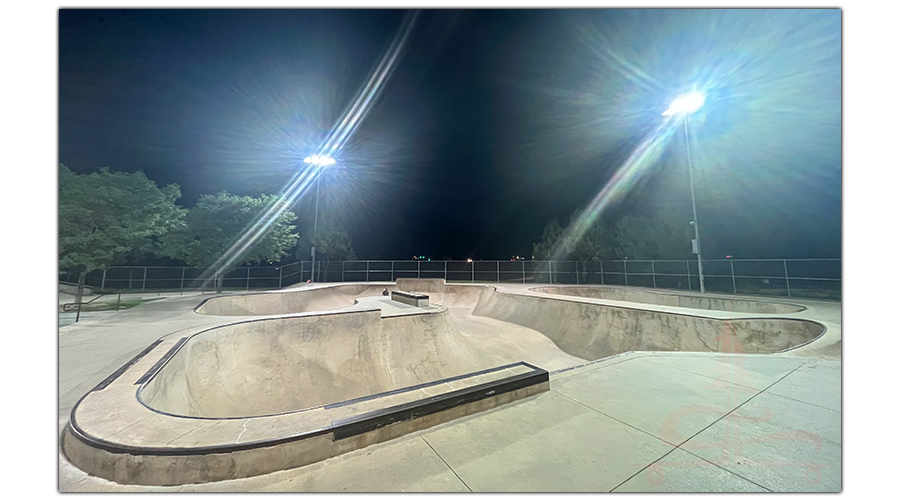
[248, 278]
[419, 269]
[445, 271]
[687, 264]
[626, 271]
[392, 271]
[602, 282]
[577, 279]
[473, 270]
[551, 272]
[144, 283]
[280, 276]
[787, 278]
[733, 285]
[523, 270]
[342, 271]
[103, 281]
[367, 271]
[182, 281]
[653, 272]
[498, 271]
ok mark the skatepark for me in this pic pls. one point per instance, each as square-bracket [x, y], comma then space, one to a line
[486, 388]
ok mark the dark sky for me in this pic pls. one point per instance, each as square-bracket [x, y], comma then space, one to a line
[493, 122]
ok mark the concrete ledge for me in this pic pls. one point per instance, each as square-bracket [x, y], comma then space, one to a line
[111, 435]
[411, 298]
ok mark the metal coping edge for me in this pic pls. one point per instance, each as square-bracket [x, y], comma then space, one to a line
[373, 420]
[341, 428]
[422, 385]
[161, 361]
[122, 369]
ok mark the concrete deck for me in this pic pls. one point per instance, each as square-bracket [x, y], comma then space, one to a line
[642, 421]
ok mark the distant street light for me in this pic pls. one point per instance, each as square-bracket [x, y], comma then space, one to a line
[684, 105]
[319, 161]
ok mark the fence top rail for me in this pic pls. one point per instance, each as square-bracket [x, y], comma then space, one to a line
[488, 260]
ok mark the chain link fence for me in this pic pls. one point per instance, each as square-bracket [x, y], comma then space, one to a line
[807, 278]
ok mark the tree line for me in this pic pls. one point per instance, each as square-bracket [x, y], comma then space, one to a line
[664, 234]
[109, 218]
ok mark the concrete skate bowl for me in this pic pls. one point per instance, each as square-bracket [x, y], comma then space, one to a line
[278, 365]
[289, 301]
[263, 395]
[672, 299]
[595, 331]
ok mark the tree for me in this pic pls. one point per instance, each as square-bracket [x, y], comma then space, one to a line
[219, 221]
[333, 243]
[106, 217]
[553, 232]
[665, 235]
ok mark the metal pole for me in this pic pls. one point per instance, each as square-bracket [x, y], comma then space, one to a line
[280, 275]
[473, 270]
[144, 283]
[733, 285]
[367, 271]
[687, 263]
[626, 272]
[601, 273]
[103, 281]
[787, 278]
[248, 278]
[523, 271]
[315, 232]
[342, 270]
[577, 282]
[551, 272]
[182, 281]
[392, 270]
[419, 269]
[445, 271]
[653, 272]
[687, 143]
[498, 271]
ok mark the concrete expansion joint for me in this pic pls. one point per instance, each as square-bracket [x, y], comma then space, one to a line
[448, 465]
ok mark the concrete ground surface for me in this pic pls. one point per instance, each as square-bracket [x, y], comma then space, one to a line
[639, 421]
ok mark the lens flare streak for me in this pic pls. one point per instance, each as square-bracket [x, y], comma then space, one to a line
[637, 164]
[335, 141]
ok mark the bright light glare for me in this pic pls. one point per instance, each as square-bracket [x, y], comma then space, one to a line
[320, 160]
[686, 103]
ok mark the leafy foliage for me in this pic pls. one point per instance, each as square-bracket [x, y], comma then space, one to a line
[665, 235]
[218, 221]
[107, 217]
[333, 243]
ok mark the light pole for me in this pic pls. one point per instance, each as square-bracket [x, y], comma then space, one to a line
[684, 105]
[320, 161]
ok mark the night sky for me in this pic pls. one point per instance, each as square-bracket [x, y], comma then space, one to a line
[492, 123]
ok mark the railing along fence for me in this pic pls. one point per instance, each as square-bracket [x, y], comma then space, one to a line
[810, 278]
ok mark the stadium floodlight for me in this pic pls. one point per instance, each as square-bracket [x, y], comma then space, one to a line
[686, 104]
[319, 160]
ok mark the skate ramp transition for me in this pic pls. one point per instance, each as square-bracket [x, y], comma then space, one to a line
[586, 330]
[291, 301]
[268, 393]
[672, 299]
[278, 365]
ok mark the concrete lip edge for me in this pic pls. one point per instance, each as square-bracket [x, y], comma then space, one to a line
[655, 291]
[368, 423]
